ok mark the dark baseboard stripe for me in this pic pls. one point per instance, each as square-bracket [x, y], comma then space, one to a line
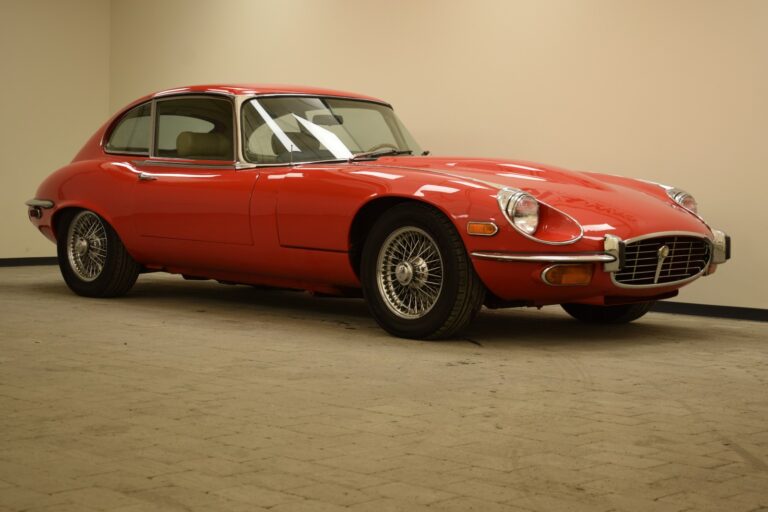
[677, 308]
[685, 308]
[26, 262]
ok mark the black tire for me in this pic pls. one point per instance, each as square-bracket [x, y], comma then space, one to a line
[118, 271]
[460, 294]
[621, 314]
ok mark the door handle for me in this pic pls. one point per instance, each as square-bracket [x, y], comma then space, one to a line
[144, 176]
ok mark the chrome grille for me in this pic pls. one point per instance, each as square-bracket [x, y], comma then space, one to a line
[663, 260]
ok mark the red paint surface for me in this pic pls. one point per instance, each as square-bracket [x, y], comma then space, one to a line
[290, 226]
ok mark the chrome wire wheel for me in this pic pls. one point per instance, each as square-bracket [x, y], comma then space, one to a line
[87, 246]
[410, 272]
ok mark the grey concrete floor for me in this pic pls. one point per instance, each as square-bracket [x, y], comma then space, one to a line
[200, 396]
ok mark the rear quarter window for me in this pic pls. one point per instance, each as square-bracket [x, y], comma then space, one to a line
[131, 134]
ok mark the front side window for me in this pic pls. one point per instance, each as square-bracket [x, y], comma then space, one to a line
[131, 134]
[279, 130]
[194, 128]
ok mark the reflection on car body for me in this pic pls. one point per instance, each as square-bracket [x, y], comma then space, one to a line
[327, 191]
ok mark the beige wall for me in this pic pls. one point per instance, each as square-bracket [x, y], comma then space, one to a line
[674, 91]
[54, 94]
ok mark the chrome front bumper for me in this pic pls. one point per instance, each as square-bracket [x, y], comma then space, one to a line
[721, 247]
[612, 256]
[588, 257]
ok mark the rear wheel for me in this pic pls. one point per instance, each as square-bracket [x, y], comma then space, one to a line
[620, 314]
[92, 258]
[417, 278]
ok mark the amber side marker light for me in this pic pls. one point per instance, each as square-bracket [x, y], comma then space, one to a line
[567, 275]
[482, 228]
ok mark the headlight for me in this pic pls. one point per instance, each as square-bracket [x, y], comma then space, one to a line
[520, 209]
[684, 199]
[679, 196]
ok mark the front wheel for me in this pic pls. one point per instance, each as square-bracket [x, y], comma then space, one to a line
[417, 278]
[92, 258]
[620, 314]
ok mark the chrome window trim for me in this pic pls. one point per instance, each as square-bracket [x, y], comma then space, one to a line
[675, 284]
[197, 164]
[172, 92]
[108, 132]
[308, 95]
[191, 95]
[591, 257]
[152, 129]
[242, 99]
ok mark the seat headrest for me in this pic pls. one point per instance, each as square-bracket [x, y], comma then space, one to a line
[193, 144]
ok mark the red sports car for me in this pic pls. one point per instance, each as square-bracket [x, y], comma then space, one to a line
[326, 191]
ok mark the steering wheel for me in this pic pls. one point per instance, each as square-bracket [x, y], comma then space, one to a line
[383, 145]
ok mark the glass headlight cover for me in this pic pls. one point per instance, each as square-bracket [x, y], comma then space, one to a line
[679, 196]
[520, 209]
[684, 199]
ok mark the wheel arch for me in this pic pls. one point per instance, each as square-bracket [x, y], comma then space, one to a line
[367, 215]
[74, 207]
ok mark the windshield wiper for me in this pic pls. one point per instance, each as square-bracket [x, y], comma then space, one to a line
[379, 152]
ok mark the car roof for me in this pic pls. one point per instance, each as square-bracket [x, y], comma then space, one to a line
[240, 89]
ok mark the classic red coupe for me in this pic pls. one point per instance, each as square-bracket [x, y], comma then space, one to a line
[327, 191]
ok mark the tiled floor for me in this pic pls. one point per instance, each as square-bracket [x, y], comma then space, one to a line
[200, 396]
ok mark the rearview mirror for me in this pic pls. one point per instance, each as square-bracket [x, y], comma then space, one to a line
[327, 119]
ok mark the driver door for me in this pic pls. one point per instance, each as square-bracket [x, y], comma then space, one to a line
[191, 203]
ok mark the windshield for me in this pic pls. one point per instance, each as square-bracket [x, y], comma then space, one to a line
[288, 129]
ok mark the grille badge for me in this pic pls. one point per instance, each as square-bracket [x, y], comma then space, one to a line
[662, 254]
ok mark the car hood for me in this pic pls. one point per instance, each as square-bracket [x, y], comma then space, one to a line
[601, 203]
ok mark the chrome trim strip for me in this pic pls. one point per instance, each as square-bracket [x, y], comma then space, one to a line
[127, 153]
[675, 284]
[152, 128]
[186, 163]
[40, 203]
[666, 233]
[308, 95]
[591, 257]
[240, 143]
[183, 92]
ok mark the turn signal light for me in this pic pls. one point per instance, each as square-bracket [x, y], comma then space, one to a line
[482, 228]
[568, 275]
